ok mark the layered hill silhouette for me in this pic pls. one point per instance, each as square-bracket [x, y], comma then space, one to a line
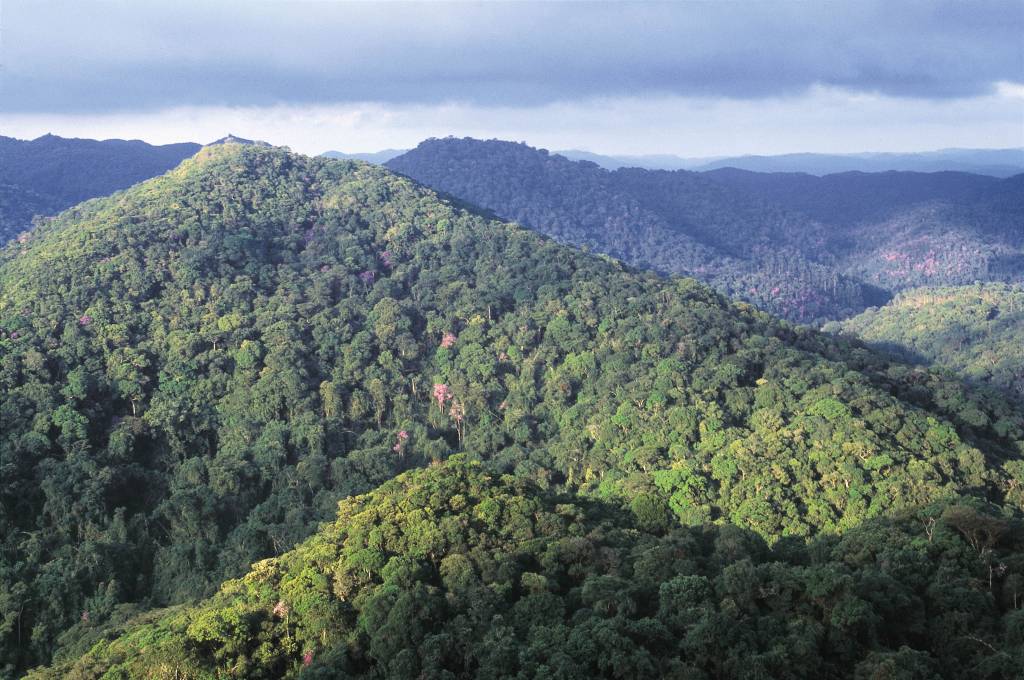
[379, 157]
[195, 370]
[994, 162]
[49, 174]
[806, 248]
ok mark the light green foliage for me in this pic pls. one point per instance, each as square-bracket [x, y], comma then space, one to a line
[576, 588]
[975, 331]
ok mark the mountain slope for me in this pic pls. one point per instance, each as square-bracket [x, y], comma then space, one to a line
[61, 172]
[673, 222]
[803, 247]
[901, 230]
[194, 371]
[450, 572]
[974, 331]
[854, 197]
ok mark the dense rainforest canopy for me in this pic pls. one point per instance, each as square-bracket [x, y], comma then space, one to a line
[976, 331]
[803, 247]
[453, 573]
[194, 371]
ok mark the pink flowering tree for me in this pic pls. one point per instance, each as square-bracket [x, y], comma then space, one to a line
[448, 341]
[455, 410]
[442, 394]
[401, 439]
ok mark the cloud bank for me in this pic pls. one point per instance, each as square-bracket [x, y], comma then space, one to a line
[824, 119]
[693, 78]
[79, 56]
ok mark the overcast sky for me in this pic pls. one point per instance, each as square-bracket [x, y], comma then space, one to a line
[691, 78]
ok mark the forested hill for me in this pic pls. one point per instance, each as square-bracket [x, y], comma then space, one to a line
[976, 331]
[454, 573]
[194, 371]
[48, 174]
[803, 247]
[850, 198]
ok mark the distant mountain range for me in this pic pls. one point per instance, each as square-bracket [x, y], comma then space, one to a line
[49, 174]
[649, 162]
[804, 247]
[46, 175]
[378, 157]
[994, 162]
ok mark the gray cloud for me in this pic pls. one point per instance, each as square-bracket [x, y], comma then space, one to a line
[67, 57]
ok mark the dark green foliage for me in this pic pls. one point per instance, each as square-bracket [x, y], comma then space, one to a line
[46, 175]
[803, 247]
[194, 371]
[17, 208]
[454, 573]
[851, 198]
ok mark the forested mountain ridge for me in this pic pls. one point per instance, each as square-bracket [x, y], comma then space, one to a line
[804, 247]
[976, 331]
[193, 371]
[53, 173]
[451, 572]
[905, 229]
[674, 222]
